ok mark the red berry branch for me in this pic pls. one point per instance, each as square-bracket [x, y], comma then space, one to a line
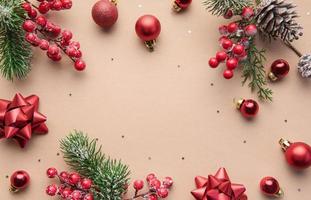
[72, 186]
[50, 37]
[156, 189]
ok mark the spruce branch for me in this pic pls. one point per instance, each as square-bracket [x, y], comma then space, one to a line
[84, 155]
[220, 7]
[15, 52]
[254, 72]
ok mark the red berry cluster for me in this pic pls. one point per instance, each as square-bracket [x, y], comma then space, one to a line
[234, 40]
[50, 37]
[72, 186]
[156, 189]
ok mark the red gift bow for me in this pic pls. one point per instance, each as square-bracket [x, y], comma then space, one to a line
[218, 187]
[19, 118]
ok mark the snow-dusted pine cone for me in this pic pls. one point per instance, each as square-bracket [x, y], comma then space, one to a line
[276, 19]
[304, 65]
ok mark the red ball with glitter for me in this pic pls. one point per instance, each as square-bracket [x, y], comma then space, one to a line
[105, 13]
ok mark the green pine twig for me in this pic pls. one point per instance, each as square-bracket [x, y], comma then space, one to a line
[220, 7]
[83, 155]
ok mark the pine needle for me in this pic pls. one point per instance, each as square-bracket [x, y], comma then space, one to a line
[220, 7]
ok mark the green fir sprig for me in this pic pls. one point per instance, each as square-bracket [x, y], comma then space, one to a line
[84, 155]
[15, 52]
[221, 7]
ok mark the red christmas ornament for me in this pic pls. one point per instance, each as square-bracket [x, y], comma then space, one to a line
[297, 154]
[179, 5]
[279, 69]
[218, 187]
[148, 28]
[19, 180]
[270, 187]
[105, 13]
[249, 107]
[20, 118]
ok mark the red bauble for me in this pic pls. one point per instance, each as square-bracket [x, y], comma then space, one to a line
[213, 62]
[181, 4]
[279, 69]
[105, 13]
[297, 154]
[270, 186]
[228, 74]
[19, 180]
[148, 27]
[249, 107]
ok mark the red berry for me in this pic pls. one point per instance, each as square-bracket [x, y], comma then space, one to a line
[247, 12]
[227, 44]
[138, 184]
[232, 63]
[32, 39]
[221, 56]
[80, 65]
[71, 51]
[238, 49]
[64, 176]
[76, 44]
[32, 13]
[66, 192]
[29, 26]
[51, 190]
[168, 182]
[228, 14]
[74, 178]
[56, 58]
[51, 172]
[78, 54]
[44, 44]
[76, 195]
[56, 31]
[57, 5]
[223, 29]
[232, 27]
[41, 20]
[88, 197]
[213, 62]
[64, 43]
[162, 192]
[26, 7]
[44, 7]
[150, 177]
[250, 30]
[67, 4]
[67, 35]
[53, 49]
[228, 74]
[86, 183]
[152, 197]
[155, 183]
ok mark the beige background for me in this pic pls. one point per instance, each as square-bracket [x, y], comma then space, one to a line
[163, 104]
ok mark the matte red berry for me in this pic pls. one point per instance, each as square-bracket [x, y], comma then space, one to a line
[32, 39]
[162, 192]
[71, 51]
[76, 195]
[228, 74]
[86, 183]
[232, 27]
[238, 49]
[213, 62]
[51, 172]
[221, 56]
[44, 7]
[51, 190]
[138, 184]
[76, 44]
[227, 44]
[29, 26]
[80, 65]
[78, 54]
[232, 63]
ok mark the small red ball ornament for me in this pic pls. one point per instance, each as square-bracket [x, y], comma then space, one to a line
[180, 5]
[105, 13]
[279, 69]
[19, 180]
[297, 154]
[248, 108]
[148, 28]
[270, 187]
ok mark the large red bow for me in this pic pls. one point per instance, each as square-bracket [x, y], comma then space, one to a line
[218, 187]
[19, 118]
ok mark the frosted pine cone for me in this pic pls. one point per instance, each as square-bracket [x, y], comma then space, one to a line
[304, 65]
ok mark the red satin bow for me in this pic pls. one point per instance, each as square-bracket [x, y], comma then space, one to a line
[218, 187]
[19, 118]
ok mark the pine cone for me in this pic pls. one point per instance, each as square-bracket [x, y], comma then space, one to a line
[304, 65]
[276, 19]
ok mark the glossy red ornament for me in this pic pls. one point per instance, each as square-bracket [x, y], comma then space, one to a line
[179, 5]
[105, 13]
[297, 154]
[19, 180]
[248, 108]
[218, 187]
[213, 62]
[148, 29]
[228, 74]
[20, 118]
[279, 69]
[270, 187]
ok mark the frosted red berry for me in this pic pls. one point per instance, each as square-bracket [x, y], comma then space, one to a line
[32, 13]
[152, 197]
[138, 184]
[74, 178]
[51, 172]
[51, 190]
[57, 5]
[26, 7]
[162, 192]
[168, 182]
[250, 30]
[247, 12]
[29, 26]
[67, 4]
[80, 65]
[66, 35]
[213, 62]
[150, 177]
[66, 192]
[155, 183]
[53, 49]
[228, 74]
